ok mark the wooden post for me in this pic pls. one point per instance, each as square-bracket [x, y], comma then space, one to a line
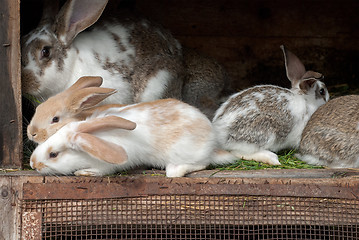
[13, 224]
[10, 86]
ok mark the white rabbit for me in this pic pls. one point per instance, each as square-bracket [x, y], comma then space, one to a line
[74, 104]
[258, 121]
[165, 134]
[138, 58]
[331, 137]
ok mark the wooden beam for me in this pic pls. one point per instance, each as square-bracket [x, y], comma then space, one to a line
[10, 86]
[12, 223]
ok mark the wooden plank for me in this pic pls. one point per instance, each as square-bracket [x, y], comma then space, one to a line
[245, 35]
[335, 175]
[139, 187]
[255, 60]
[254, 18]
[8, 220]
[10, 97]
[11, 195]
[142, 185]
[281, 173]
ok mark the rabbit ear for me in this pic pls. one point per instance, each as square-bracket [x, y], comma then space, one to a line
[85, 82]
[88, 97]
[313, 75]
[294, 67]
[75, 16]
[307, 84]
[100, 149]
[105, 123]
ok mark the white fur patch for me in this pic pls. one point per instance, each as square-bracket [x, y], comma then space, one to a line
[357, 126]
[257, 95]
[103, 44]
[263, 156]
[39, 35]
[156, 86]
[310, 159]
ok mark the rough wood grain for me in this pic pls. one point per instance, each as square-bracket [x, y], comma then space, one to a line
[10, 97]
[11, 194]
[245, 35]
[7, 221]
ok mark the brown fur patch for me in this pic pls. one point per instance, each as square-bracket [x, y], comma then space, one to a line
[101, 149]
[149, 39]
[37, 165]
[49, 150]
[29, 82]
[106, 123]
[332, 132]
[168, 125]
[32, 51]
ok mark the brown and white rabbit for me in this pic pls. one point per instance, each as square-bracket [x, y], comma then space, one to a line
[165, 133]
[331, 137]
[254, 123]
[138, 58]
[74, 104]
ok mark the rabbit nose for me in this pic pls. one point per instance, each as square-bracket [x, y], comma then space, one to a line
[31, 136]
[31, 131]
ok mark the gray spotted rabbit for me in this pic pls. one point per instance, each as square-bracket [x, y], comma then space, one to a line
[256, 122]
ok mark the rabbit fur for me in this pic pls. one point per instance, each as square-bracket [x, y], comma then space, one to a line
[74, 104]
[331, 137]
[164, 133]
[138, 58]
[254, 123]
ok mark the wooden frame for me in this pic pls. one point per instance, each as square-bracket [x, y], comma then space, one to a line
[10, 97]
[23, 222]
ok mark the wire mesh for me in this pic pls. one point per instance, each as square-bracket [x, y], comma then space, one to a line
[197, 217]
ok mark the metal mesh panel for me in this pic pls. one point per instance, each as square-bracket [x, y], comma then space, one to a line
[196, 217]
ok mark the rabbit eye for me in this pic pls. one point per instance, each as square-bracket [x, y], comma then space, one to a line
[45, 52]
[53, 154]
[55, 120]
[322, 91]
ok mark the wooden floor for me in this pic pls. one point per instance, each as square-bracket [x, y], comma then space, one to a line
[21, 187]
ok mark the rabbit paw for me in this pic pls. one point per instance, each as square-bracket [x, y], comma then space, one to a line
[89, 172]
[180, 170]
[263, 156]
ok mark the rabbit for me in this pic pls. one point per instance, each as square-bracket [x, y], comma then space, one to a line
[331, 137]
[206, 83]
[138, 58]
[74, 104]
[254, 123]
[165, 133]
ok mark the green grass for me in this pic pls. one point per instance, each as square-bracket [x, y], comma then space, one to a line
[286, 158]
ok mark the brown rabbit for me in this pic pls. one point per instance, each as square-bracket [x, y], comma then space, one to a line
[331, 137]
[75, 104]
